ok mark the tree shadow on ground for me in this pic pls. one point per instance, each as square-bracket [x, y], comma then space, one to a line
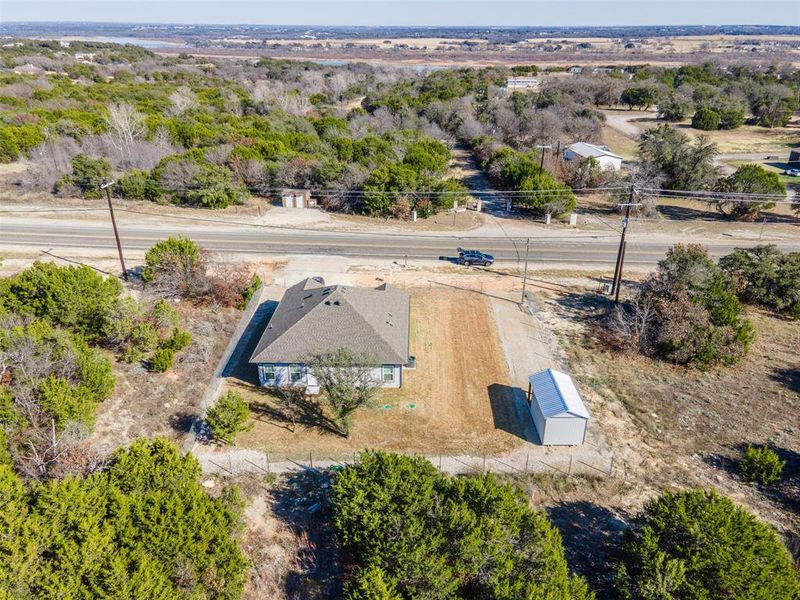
[790, 378]
[292, 410]
[181, 422]
[238, 365]
[592, 537]
[302, 501]
[583, 306]
[510, 412]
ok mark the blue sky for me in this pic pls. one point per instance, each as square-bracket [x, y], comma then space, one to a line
[411, 12]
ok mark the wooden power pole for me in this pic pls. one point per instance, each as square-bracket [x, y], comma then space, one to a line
[107, 187]
[617, 283]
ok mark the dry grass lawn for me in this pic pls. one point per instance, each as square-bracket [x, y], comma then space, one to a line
[457, 400]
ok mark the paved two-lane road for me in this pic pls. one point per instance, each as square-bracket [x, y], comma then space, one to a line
[246, 239]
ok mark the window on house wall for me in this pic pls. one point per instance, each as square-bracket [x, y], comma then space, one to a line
[388, 373]
[295, 373]
[268, 372]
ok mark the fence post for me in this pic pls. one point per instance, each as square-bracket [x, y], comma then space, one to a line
[484, 463]
[527, 458]
[266, 457]
[355, 458]
[611, 467]
[230, 463]
[311, 459]
[440, 462]
[570, 465]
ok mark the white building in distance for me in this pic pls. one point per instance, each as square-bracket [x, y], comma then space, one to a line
[584, 151]
[521, 83]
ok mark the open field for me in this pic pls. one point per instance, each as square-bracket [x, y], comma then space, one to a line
[457, 400]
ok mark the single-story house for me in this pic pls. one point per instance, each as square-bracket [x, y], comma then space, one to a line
[584, 150]
[521, 83]
[794, 157]
[314, 317]
[557, 409]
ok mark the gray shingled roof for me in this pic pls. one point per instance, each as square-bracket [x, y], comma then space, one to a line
[314, 317]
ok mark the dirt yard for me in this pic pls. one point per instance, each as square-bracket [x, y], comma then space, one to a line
[457, 400]
[163, 404]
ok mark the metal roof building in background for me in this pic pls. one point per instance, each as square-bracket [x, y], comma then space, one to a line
[557, 409]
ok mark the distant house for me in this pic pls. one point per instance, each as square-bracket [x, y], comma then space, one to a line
[557, 409]
[575, 70]
[313, 317]
[521, 83]
[297, 199]
[28, 69]
[584, 150]
[85, 56]
[794, 157]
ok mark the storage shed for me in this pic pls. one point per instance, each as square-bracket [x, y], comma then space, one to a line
[297, 199]
[557, 409]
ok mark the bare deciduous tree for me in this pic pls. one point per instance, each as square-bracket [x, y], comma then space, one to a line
[125, 127]
[182, 99]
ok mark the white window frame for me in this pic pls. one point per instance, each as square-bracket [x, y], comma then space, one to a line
[390, 373]
[266, 369]
[299, 370]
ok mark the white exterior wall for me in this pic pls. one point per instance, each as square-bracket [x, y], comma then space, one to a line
[605, 162]
[558, 431]
[310, 383]
[609, 162]
[563, 431]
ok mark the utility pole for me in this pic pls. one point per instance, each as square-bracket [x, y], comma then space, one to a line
[107, 187]
[525, 271]
[617, 283]
[541, 161]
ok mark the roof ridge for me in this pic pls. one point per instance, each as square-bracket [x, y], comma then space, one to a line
[371, 327]
[296, 321]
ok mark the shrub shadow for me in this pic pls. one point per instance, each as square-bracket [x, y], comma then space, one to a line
[789, 378]
[592, 537]
[302, 501]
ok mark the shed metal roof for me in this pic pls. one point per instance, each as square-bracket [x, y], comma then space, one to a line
[587, 150]
[556, 395]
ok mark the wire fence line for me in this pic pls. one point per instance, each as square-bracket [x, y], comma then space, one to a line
[235, 462]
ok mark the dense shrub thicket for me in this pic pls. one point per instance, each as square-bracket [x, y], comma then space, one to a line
[143, 528]
[764, 275]
[687, 312]
[177, 267]
[697, 544]
[674, 160]
[416, 533]
[52, 379]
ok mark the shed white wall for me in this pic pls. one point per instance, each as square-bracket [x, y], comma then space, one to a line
[558, 431]
[309, 381]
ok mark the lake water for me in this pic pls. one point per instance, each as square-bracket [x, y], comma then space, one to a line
[143, 42]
